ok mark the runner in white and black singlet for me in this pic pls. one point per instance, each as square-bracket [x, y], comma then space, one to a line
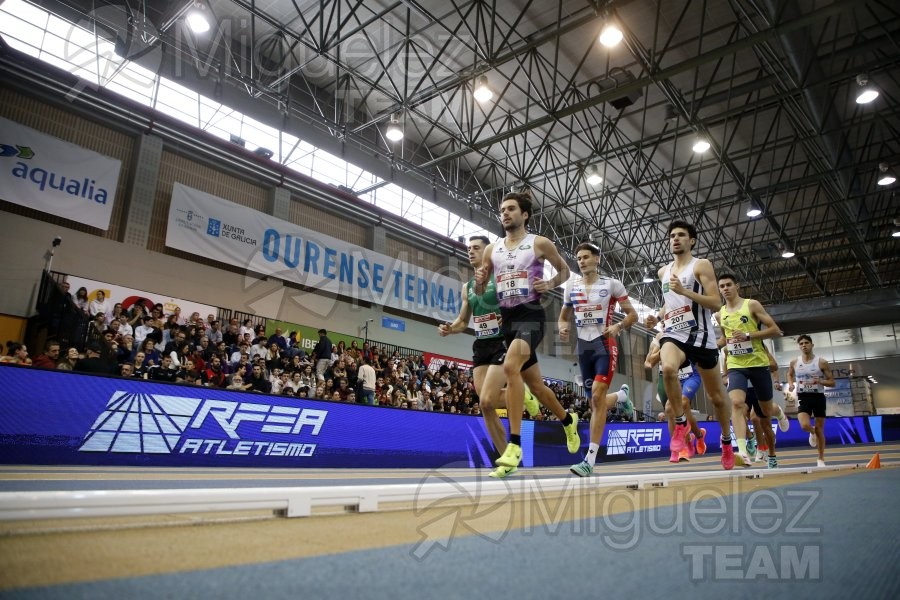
[808, 375]
[690, 296]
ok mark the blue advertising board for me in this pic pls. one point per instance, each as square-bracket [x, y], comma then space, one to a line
[55, 417]
[392, 323]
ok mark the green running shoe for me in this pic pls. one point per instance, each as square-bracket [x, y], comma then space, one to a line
[573, 440]
[531, 403]
[582, 469]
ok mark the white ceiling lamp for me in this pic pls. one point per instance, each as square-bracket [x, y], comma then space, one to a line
[394, 132]
[896, 233]
[867, 93]
[886, 177]
[787, 253]
[592, 176]
[197, 18]
[611, 35]
[754, 210]
[482, 92]
[701, 146]
[647, 277]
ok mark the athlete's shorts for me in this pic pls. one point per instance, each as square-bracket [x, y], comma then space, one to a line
[759, 377]
[597, 359]
[525, 322]
[752, 402]
[689, 380]
[812, 404]
[489, 351]
[705, 358]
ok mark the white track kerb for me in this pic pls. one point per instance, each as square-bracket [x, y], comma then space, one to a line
[300, 501]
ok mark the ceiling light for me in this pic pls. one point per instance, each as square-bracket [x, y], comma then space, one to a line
[611, 35]
[482, 91]
[754, 210]
[886, 177]
[393, 131]
[197, 18]
[592, 176]
[867, 93]
[647, 277]
[701, 146]
[896, 233]
[787, 253]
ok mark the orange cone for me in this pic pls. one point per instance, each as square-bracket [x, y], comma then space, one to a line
[875, 463]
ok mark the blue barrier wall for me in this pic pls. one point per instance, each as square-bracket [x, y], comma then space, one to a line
[61, 418]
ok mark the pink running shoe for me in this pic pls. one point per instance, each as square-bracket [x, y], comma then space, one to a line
[674, 458]
[727, 457]
[677, 444]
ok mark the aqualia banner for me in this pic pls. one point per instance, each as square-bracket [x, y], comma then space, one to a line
[47, 174]
[205, 225]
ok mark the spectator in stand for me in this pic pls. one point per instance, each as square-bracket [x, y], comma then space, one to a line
[341, 349]
[214, 332]
[320, 392]
[308, 377]
[116, 312]
[246, 329]
[232, 334]
[273, 356]
[92, 363]
[176, 338]
[100, 304]
[64, 289]
[343, 389]
[49, 358]
[163, 371]
[151, 355]
[277, 338]
[322, 354]
[126, 370]
[354, 352]
[16, 354]
[237, 383]
[242, 350]
[181, 356]
[258, 381]
[67, 363]
[81, 300]
[213, 376]
[280, 382]
[259, 348]
[143, 330]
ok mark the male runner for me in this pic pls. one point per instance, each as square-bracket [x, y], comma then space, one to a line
[488, 349]
[689, 378]
[745, 324]
[690, 297]
[592, 299]
[517, 261]
[809, 374]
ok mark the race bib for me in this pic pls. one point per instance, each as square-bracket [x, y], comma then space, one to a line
[512, 284]
[588, 314]
[685, 372]
[808, 387]
[736, 348]
[487, 325]
[679, 319]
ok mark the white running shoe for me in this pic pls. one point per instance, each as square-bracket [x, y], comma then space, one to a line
[783, 423]
[820, 463]
[812, 440]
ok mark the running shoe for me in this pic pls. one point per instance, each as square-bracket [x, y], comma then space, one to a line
[727, 457]
[684, 455]
[501, 472]
[742, 460]
[531, 403]
[820, 463]
[511, 457]
[674, 457]
[573, 440]
[783, 423]
[582, 469]
[701, 442]
[812, 439]
[678, 436]
[625, 389]
[751, 446]
[760, 455]
[773, 462]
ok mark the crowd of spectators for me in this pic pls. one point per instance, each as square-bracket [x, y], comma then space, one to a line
[146, 343]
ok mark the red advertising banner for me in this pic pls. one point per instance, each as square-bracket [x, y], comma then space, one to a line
[433, 362]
